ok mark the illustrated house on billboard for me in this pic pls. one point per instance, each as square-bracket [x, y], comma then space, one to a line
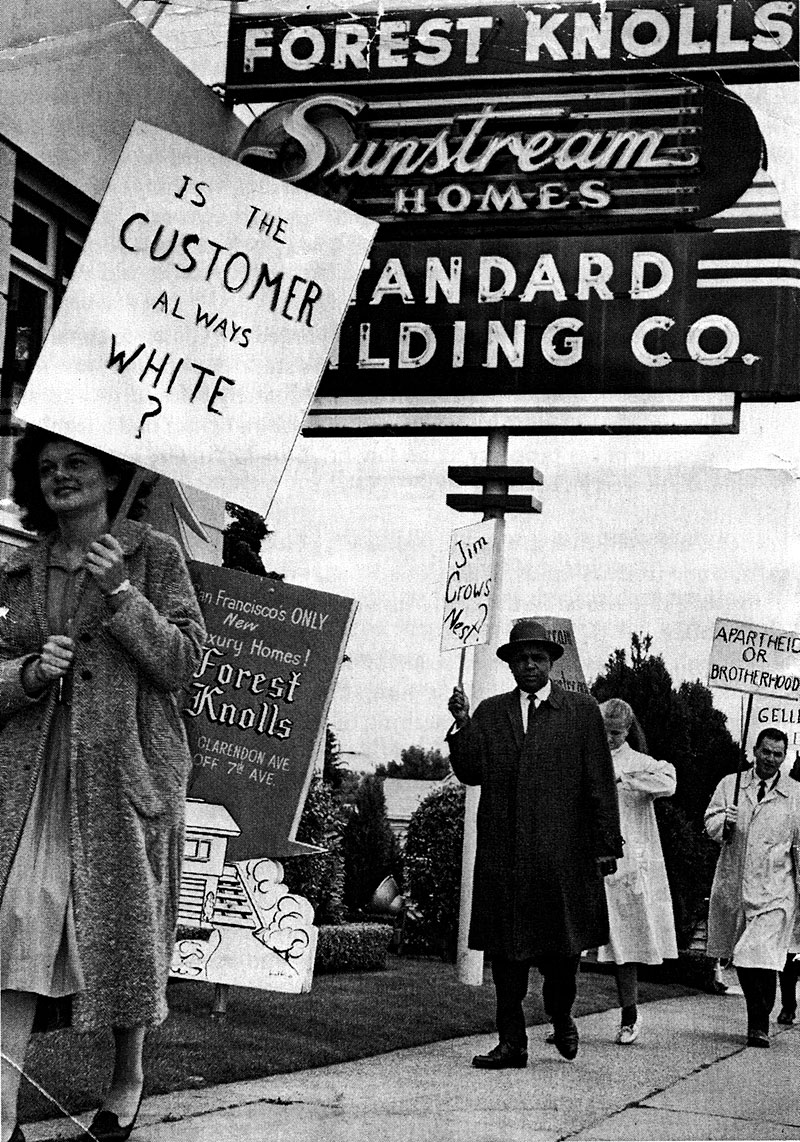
[212, 893]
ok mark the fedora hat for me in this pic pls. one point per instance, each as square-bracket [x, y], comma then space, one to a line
[526, 630]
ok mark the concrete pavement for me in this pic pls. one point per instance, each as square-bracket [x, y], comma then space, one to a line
[689, 1076]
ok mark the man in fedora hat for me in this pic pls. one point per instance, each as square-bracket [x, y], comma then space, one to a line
[548, 831]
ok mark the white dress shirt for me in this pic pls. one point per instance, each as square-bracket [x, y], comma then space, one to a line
[538, 696]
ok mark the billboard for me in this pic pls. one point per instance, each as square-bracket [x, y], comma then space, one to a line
[514, 159]
[490, 319]
[275, 53]
[256, 710]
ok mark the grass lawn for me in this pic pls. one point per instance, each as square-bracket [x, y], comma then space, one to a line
[344, 1016]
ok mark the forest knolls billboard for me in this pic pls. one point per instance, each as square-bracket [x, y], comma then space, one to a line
[570, 159]
[274, 53]
[257, 708]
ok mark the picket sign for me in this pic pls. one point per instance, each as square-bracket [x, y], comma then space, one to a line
[199, 319]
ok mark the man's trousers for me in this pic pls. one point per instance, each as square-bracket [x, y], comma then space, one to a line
[759, 986]
[559, 987]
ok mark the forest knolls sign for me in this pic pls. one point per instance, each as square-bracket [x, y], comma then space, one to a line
[617, 313]
[357, 46]
[570, 159]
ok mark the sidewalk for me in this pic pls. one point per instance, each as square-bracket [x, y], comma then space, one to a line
[688, 1077]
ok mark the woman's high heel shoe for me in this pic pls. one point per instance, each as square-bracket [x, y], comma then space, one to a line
[105, 1126]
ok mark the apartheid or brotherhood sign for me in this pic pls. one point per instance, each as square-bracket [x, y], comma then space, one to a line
[567, 670]
[754, 659]
[468, 589]
[199, 318]
[274, 52]
[259, 698]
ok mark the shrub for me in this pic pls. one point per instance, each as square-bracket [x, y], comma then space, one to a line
[319, 877]
[370, 846]
[352, 947]
[433, 869]
[690, 858]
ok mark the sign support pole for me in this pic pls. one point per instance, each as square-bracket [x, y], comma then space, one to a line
[469, 961]
[742, 759]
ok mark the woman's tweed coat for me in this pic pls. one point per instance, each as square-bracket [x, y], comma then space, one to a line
[548, 808]
[129, 762]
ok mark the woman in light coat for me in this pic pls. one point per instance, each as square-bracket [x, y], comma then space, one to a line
[99, 634]
[642, 928]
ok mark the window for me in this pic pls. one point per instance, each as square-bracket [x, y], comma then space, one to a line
[45, 245]
[195, 849]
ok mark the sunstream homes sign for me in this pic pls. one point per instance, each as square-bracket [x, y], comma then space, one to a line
[275, 54]
[625, 313]
[571, 160]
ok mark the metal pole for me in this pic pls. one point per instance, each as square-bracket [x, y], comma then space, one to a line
[727, 831]
[484, 672]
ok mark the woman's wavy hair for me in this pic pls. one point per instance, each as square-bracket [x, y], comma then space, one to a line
[617, 710]
[26, 490]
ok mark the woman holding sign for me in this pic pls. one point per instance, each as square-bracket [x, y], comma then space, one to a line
[640, 916]
[99, 634]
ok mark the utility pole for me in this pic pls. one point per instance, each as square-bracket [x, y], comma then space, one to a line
[494, 502]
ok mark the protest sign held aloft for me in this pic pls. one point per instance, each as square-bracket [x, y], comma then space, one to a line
[199, 318]
[755, 659]
[468, 590]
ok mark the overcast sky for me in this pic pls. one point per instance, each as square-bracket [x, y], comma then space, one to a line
[655, 534]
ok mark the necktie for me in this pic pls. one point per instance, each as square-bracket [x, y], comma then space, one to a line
[531, 710]
[762, 789]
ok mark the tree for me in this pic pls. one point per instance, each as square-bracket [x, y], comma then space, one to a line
[370, 846]
[241, 542]
[417, 763]
[682, 727]
[319, 877]
[332, 767]
[432, 859]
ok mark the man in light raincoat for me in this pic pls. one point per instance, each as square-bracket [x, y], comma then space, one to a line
[756, 890]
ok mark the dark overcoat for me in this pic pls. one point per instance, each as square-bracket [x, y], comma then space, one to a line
[129, 762]
[547, 810]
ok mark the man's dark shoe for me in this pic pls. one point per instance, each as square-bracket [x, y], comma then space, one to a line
[786, 1017]
[565, 1037]
[757, 1039]
[500, 1057]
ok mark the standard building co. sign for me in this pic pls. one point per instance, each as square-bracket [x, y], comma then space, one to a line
[569, 159]
[274, 54]
[626, 313]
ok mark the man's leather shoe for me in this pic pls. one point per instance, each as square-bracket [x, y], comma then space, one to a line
[786, 1017]
[500, 1057]
[757, 1039]
[565, 1037]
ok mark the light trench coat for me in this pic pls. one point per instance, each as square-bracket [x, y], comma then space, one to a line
[642, 928]
[754, 897]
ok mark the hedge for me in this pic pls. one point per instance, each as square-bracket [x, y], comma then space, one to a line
[352, 947]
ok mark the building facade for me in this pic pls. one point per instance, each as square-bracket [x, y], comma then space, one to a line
[73, 79]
